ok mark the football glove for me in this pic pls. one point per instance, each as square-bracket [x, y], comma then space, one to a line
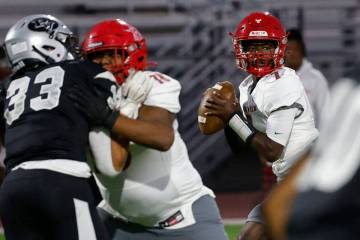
[129, 108]
[95, 108]
[137, 86]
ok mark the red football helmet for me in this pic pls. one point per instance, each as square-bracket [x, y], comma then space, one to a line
[124, 39]
[259, 26]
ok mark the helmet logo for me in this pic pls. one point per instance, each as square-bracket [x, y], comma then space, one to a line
[258, 20]
[258, 34]
[43, 25]
[95, 44]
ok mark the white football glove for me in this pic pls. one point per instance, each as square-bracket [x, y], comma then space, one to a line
[134, 92]
[129, 108]
[137, 86]
[114, 100]
[126, 107]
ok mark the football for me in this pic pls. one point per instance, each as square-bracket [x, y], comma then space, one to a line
[212, 124]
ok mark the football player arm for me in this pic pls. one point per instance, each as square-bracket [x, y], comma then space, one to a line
[119, 152]
[266, 147]
[270, 145]
[233, 140]
[153, 128]
[110, 153]
[278, 129]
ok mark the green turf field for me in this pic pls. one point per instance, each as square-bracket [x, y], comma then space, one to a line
[231, 229]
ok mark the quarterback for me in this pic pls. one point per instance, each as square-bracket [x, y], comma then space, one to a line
[159, 195]
[273, 114]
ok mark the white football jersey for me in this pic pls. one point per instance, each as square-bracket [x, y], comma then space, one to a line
[157, 184]
[316, 88]
[281, 89]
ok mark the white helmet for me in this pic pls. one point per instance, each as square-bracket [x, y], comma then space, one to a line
[39, 38]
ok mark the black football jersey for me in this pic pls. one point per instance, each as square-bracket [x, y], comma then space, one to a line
[41, 121]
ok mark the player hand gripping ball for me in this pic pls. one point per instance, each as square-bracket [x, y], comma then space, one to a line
[217, 106]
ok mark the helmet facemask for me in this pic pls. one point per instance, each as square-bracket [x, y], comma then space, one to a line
[262, 28]
[256, 60]
[124, 59]
[117, 66]
[71, 43]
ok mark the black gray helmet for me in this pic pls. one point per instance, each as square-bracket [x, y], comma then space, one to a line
[39, 38]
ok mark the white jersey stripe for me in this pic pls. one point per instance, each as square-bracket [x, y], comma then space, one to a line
[85, 226]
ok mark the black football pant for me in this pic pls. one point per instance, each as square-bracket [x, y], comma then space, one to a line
[42, 204]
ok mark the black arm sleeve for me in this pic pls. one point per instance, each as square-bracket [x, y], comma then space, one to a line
[234, 141]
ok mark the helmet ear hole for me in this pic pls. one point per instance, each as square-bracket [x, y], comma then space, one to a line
[48, 48]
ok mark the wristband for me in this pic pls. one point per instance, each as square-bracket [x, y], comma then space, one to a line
[241, 128]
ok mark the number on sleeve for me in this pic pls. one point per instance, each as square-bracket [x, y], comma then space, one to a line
[161, 78]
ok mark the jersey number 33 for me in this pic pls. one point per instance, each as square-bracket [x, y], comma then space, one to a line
[51, 81]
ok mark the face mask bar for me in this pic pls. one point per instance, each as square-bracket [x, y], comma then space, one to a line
[70, 42]
[259, 59]
[258, 63]
[119, 68]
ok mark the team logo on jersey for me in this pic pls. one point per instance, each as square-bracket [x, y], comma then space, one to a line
[249, 106]
[43, 25]
[172, 220]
